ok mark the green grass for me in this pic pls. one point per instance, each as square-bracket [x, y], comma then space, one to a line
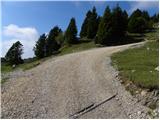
[5, 68]
[84, 45]
[27, 66]
[77, 48]
[138, 64]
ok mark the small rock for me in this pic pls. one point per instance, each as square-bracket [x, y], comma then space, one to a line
[139, 112]
[117, 98]
[137, 92]
[143, 93]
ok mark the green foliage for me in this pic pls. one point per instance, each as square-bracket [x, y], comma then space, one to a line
[13, 56]
[71, 32]
[40, 47]
[83, 32]
[90, 24]
[155, 18]
[112, 27]
[60, 39]
[140, 21]
[138, 64]
[51, 43]
[145, 15]
[137, 25]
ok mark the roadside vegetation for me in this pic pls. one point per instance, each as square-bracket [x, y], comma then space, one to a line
[114, 27]
[140, 65]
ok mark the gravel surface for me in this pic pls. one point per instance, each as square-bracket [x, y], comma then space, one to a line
[62, 86]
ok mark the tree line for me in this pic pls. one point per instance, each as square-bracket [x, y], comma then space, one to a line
[109, 29]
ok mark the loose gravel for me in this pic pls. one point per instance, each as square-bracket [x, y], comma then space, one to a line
[62, 86]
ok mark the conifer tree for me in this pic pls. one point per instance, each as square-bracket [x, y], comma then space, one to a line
[51, 43]
[90, 25]
[112, 27]
[84, 27]
[13, 56]
[71, 32]
[40, 47]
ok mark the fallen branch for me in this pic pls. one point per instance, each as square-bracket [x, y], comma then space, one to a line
[89, 108]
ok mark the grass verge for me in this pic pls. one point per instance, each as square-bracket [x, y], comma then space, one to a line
[139, 64]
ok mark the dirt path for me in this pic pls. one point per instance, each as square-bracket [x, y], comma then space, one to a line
[62, 86]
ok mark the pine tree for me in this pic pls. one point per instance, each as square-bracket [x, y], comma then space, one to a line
[118, 25]
[112, 27]
[60, 39]
[71, 32]
[92, 24]
[40, 47]
[139, 22]
[135, 14]
[84, 27]
[145, 15]
[13, 56]
[155, 18]
[104, 27]
[51, 43]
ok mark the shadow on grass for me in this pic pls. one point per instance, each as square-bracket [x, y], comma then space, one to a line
[129, 39]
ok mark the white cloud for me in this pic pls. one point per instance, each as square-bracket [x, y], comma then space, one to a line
[143, 5]
[26, 35]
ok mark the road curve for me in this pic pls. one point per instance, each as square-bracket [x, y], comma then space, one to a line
[62, 86]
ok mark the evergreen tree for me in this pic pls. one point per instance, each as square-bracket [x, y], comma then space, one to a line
[84, 27]
[155, 18]
[139, 22]
[60, 39]
[118, 25]
[40, 48]
[137, 25]
[145, 15]
[135, 14]
[71, 32]
[112, 27]
[13, 56]
[51, 43]
[92, 24]
[104, 27]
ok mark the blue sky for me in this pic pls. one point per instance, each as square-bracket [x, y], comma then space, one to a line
[25, 21]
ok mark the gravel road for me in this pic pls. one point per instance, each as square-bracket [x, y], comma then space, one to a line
[62, 86]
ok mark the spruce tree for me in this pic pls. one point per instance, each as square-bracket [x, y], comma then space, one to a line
[92, 24]
[104, 27]
[13, 56]
[118, 25]
[139, 22]
[51, 43]
[71, 32]
[112, 27]
[84, 27]
[40, 47]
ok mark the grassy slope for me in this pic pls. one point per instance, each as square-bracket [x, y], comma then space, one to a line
[65, 50]
[77, 47]
[138, 64]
